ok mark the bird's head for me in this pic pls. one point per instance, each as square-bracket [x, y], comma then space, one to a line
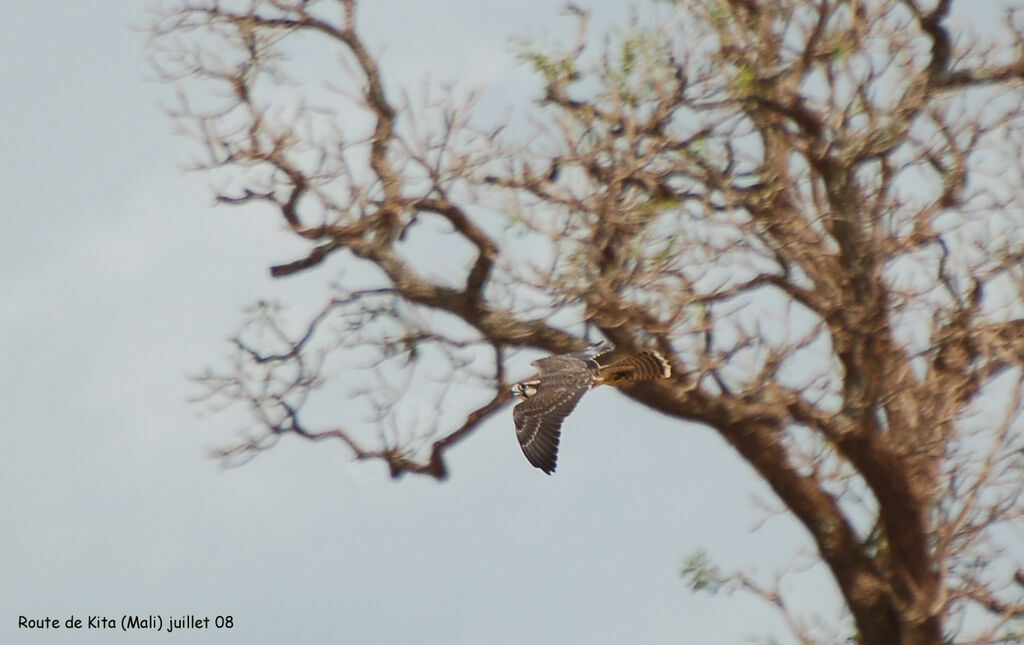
[524, 390]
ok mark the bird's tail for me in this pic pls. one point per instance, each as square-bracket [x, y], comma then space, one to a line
[647, 365]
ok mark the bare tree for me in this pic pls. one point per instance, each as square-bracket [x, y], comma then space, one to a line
[815, 209]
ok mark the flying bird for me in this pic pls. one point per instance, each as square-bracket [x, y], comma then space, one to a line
[561, 381]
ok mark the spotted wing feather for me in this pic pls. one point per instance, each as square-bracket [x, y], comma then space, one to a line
[538, 419]
[539, 424]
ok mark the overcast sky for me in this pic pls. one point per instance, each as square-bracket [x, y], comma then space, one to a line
[120, 278]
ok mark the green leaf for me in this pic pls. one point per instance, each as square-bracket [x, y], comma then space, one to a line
[701, 574]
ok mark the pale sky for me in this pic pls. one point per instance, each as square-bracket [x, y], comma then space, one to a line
[120, 277]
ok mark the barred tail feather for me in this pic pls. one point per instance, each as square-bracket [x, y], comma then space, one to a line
[647, 365]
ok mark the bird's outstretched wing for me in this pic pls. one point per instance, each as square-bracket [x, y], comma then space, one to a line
[539, 421]
[593, 352]
[563, 380]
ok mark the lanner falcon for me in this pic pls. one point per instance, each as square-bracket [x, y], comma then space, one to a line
[550, 396]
